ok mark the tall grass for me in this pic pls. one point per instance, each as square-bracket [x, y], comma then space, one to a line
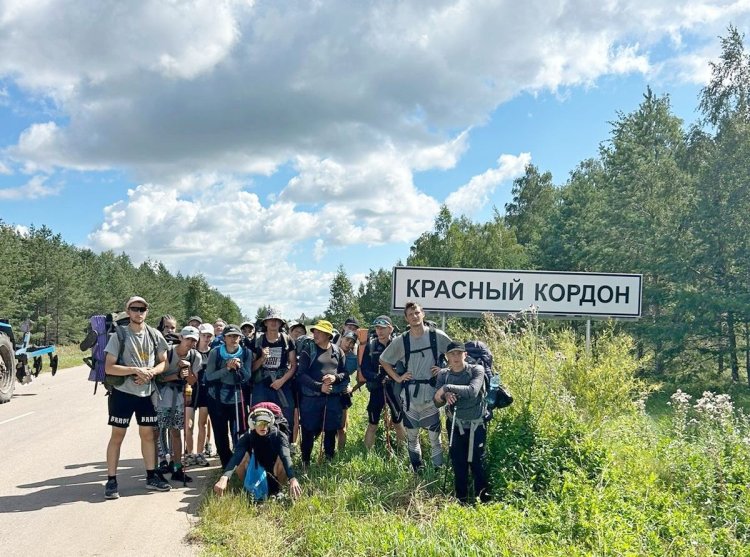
[577, 468]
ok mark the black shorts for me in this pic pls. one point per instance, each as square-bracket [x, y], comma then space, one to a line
[122, 405]
[200, 396]
[378, 399]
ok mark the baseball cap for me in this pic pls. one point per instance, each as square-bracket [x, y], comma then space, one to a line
[382, 321]
[190, 332]
[206, 328]
[351, 320]
[351, 334]
[456, 347]
[231, 330]
[134, 299]
[196, 318]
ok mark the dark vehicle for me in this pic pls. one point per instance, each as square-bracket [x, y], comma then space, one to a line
[24, 360]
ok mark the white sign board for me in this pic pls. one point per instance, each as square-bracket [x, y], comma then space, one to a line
[473, 291]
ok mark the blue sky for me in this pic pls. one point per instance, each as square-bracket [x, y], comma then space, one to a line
[264, 143]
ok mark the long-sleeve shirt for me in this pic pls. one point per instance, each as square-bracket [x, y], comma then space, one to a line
[267, 448]
[223, 381]
[468, 386]
[311, 370]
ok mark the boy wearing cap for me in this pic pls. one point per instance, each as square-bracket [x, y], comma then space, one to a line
[229, 366]
[274, 365]
[271, 449]
[132, 366]
[426, 344]
[322, 378]
[380, 389]
[183, 365]
[348, 345]
[461, 387]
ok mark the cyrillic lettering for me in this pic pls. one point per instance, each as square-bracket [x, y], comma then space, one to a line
[492, 293]
[539, 292]
[573, 291]
[475, 290]
[442, 290]
[601, 298]
[626, 294]
[455, 294]
[559, 287]
[427, 286]
[411, 288]
[516, 290]
[588, 295]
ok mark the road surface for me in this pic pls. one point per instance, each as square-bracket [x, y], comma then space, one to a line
[53, 439]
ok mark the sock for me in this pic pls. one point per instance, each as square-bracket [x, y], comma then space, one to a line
[150, 474]
[111, 478]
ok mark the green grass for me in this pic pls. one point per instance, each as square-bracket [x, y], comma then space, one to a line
[577, 468]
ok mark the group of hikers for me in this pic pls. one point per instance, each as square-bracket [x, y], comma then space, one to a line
[270, 389]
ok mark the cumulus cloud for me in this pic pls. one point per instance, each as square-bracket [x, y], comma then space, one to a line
[35, 188]
[204, 96]
[474, 195]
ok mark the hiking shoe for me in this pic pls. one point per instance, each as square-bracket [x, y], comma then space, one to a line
[163, 467]
[157, 484]
[200, 460]
[188, 460]
[110, 490]
[181, 476]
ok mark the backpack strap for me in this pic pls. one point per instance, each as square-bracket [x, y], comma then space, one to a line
[407, 346]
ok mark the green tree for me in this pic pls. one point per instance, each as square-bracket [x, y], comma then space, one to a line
[342, 302]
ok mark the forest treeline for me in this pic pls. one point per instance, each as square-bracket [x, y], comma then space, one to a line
[664, 198]
[58, 286]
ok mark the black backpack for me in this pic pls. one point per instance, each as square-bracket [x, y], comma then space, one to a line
[497, 396]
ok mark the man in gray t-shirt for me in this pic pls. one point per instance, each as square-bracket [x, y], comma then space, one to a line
[132, 367]
[417, 382]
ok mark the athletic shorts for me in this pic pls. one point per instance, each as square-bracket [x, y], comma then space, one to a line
[378, 399]
[123, 405]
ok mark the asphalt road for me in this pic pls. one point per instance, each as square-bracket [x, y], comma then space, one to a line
[53, 439]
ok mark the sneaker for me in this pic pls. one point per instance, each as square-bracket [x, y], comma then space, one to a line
[110, 490]
[209, 452]
[181, 476]
[163, 467]
[189, 460]
[157, 484]
[200, 460]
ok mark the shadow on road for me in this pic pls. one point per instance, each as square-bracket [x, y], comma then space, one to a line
[89, 487]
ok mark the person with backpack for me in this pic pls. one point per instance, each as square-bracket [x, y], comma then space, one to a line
[418, 349]
[322, 378]
[200, 404]
[270, 447]
[135, 355]
[274, 365]
[348, 345]
[462, 388]
[229, 366]
[183, 365]
[380, 387]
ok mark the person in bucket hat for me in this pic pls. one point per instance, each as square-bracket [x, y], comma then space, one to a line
[274, 365]
[322, 379]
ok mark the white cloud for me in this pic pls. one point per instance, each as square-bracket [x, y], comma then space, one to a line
[474, 195]
[35, 188]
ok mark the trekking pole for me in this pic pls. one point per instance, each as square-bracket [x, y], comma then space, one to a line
[184, 429]
[387, 419]
[450, 444]
[322, 440]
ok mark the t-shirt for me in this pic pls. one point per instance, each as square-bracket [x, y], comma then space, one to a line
[138, 352]
[278, 355]
[168, 390]
[421, 359]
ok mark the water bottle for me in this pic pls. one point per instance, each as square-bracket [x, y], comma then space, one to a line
[494, 388]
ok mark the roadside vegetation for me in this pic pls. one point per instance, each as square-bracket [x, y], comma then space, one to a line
[578, 467]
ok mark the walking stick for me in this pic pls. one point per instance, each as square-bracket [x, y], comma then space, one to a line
[187, 391]
[322, 440]
[387, 419]
[450, 444]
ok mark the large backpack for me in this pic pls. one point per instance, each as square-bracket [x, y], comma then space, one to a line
[306, 345]
[496, 395]
[408, 351]
[280, 421]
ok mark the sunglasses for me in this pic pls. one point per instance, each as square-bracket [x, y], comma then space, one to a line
[139, 309]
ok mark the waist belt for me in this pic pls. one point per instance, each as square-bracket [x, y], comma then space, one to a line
[473, 425]
[416, 383]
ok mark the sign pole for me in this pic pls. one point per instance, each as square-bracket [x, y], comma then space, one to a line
[588, 337]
